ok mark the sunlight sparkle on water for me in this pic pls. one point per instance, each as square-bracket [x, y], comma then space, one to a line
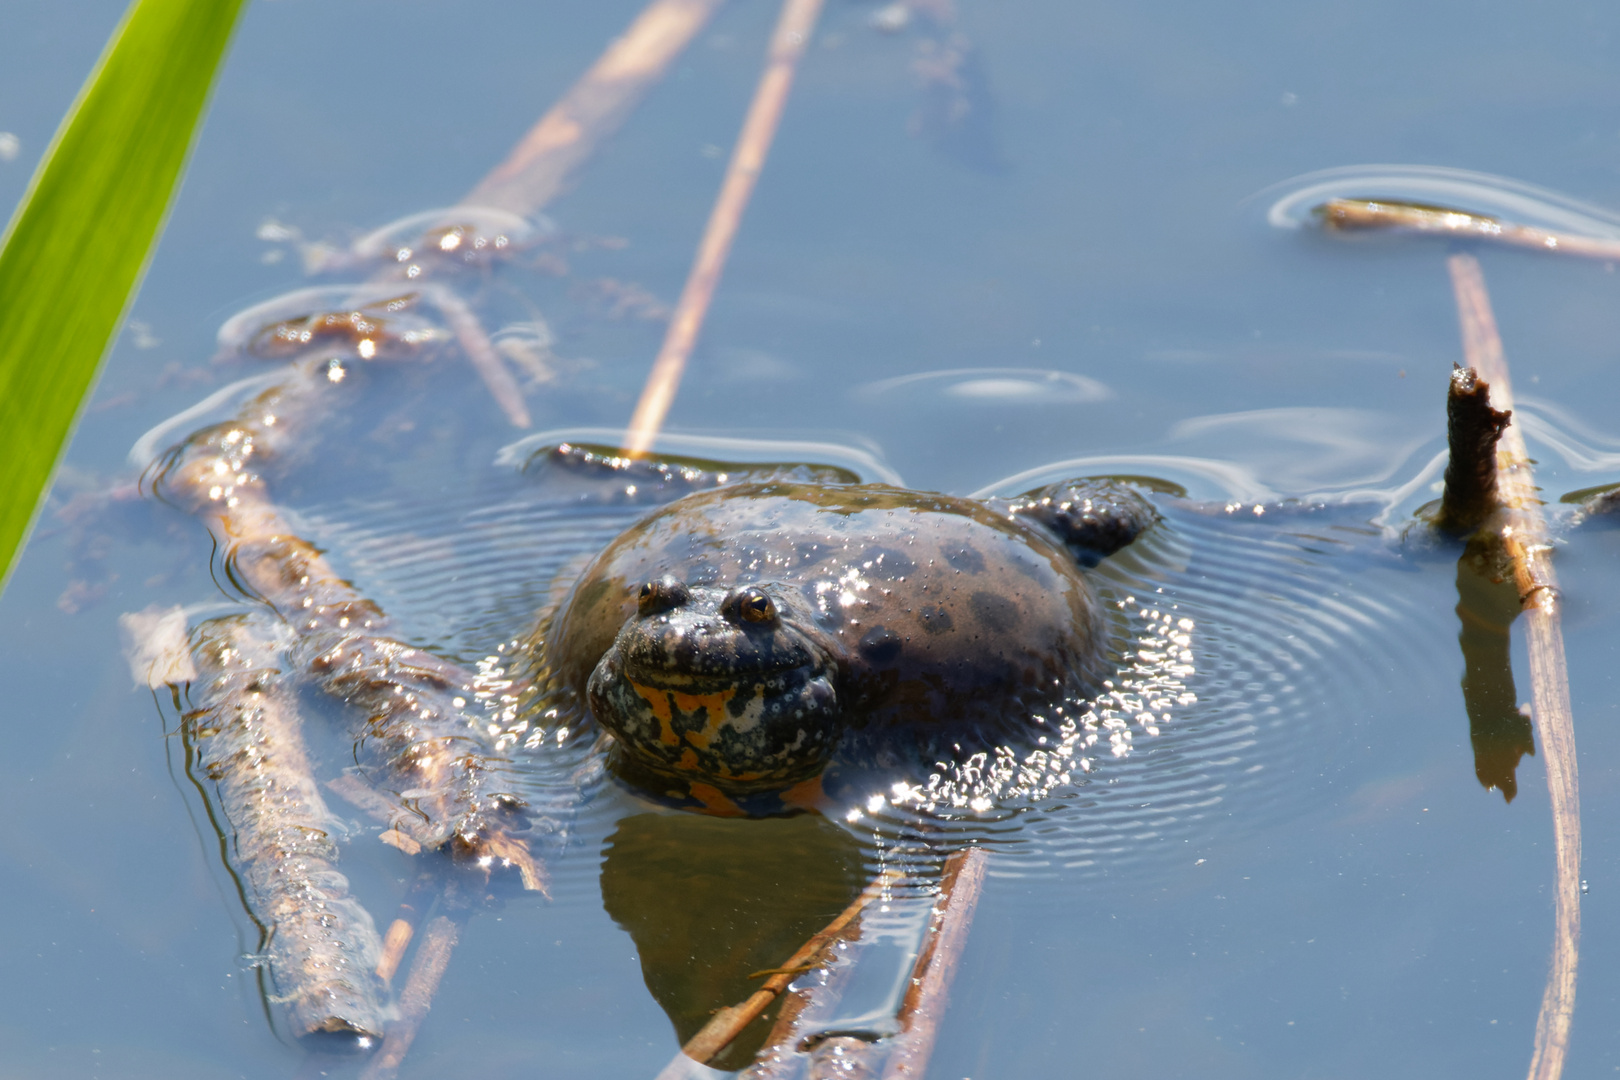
[1151, 681]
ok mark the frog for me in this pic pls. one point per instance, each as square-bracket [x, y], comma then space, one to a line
[737, 641]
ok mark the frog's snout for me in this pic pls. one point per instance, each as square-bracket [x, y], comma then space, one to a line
[720, 683]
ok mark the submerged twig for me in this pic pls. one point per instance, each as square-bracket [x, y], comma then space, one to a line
[541, 166]
[729, 1022]
[1524, 537]
[481, 355]
[322, 947]
[1366, 215]
[788, 41]
[805, 1009]
[417, 725]
[427, 968]
[930, 987]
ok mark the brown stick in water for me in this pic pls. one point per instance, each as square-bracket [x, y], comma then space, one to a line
[1524, 537]
[245, 732]
[924, 1006]
[804, 1008]
[543, 164]
[420, 712]
[729, 1022]
[1366, 215]
[427, 968]
[792, 34]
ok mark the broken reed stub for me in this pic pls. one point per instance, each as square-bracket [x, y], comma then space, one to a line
[1473, 428]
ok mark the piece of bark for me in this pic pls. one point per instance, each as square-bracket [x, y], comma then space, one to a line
[322, 946]
[1473, 429]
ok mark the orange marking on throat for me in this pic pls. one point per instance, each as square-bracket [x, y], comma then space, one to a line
[715, 802]
[658, 701]
[806, 795]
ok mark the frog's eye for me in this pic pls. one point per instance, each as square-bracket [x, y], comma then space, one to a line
[661, 595]
[751, 605]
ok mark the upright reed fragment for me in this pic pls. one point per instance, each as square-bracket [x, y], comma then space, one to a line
[1473, 428]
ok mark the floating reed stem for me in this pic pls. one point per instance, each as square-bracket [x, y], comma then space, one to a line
[321, 944]
[929, 990]
[1367, 215]
[543, 164]
[793, 30]
[1524, 538]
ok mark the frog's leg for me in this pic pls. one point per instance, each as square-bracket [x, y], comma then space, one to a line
[1094, 517]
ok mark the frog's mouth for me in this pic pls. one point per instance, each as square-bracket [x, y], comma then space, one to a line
[759, 727]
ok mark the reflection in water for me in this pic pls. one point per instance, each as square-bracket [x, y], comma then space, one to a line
[1022, 387]
[1487, 604]
[710, 901]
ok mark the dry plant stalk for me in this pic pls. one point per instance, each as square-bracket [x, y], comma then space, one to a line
[427, 968]
[322, 945]
[930, 987]
[417, 726]
[729, 1022]
[1524, 537]
[542, 165]
[481, 354]
[1365, 215]
[805, 1007]
[792, 34]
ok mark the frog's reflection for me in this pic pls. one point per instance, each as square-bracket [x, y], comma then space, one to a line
[1487, 604]
[708, 901]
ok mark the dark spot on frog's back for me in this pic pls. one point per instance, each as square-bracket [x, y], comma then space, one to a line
[935, 619]
[886, 564]
[996, 613]
[966, 559]
[880, 645]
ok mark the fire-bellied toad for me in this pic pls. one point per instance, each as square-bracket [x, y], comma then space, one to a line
[740, 638]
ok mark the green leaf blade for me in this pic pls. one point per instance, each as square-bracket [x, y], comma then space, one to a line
[80, 240]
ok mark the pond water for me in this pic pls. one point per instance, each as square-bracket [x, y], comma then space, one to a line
[1300, 874]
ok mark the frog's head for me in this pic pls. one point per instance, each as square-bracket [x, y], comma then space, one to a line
[735, 687]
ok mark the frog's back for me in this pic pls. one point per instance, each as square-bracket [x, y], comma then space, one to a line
[939, 611]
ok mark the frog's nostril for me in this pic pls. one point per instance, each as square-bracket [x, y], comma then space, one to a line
[662, 595]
